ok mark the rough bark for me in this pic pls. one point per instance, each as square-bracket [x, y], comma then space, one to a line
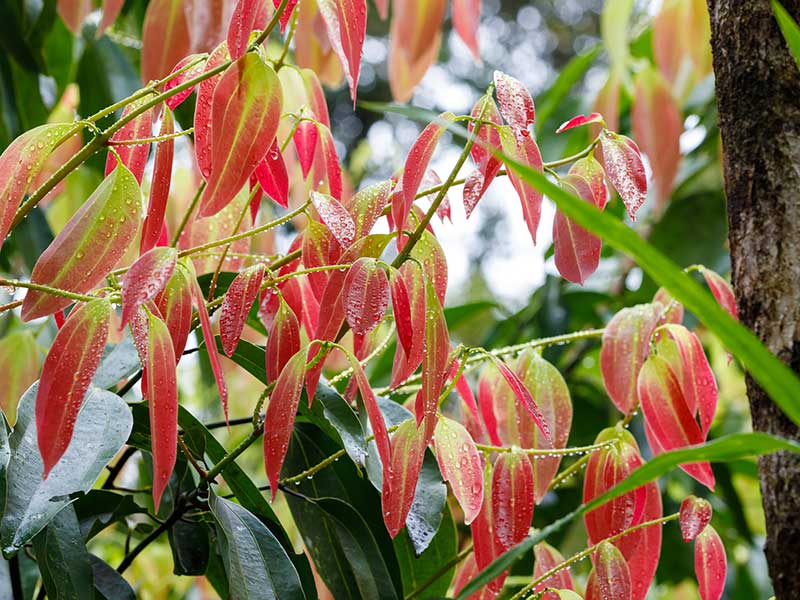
[758, 95]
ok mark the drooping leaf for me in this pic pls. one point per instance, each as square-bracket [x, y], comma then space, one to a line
[710, 564]
[19, 363]
[159, 188]
[247, 16]
[88, 247]
[722, 290]
[695, 514]
[461, 465]
[466, 15]
[546, 558]
[346, 23]
[487, 141]
[175, 305]
[188, 74]
[283, 341]
[435, 360]
[63, 560]
[366, 206]
[326, 172]
[305, 142]
[335, 217]
[516, 104]
[580, 121]
[146, 278]
[365, 295]
[272, 177]
[576, 251]
[165, 37]
[236, 305]
[66, 373]
[512, 499]
[203, 111]
[523, 395]
[623, 163]
[246, 108]
[523, 149]
[73, 12]
[208, 338]
[133, 156]
[400, 477]
[612, 573]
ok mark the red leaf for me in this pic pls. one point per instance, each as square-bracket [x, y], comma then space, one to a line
[722, 290]
[211, 344]
[623, 163]
[435, 358]
[576, 250]
[366, 295]
[67, 370]
[612, 573]
[429, 253]
[74, 12]
[410, 320]
[524, 396]
[401, 476]
[466, 15]
[626, 343]
[165, 37]
[547, 558]
[657, 124]
[523, 149]
[175, 101]
[236, 305]
[672, 310]
[710, 564]
[272, 176]
[133, 156]
[20, 162]
[111, 10]
[695, 514]
[318, 248]
[246, 109]
[512, 499]
[280, 415]
[463, 389]
[89, 245]
[175, 305]
[461, 465]
[159, 187]
[516, 104]
[335, 217]
[160, 389]
[487, 140]
[593, 174]
[287, 12]
[305, 142]
[203, 110]
[146, 278]
[581, 120]
[283, 340]
[415, 167]
[346, 22]
[366, 207]
[326, 173]
[247, 16]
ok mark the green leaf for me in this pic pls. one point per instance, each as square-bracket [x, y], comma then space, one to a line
[63, 560]
[418, 571]
[789, 28]
[109, 584]
[190, 548]
[101, 429]
[118, 362]
[333, 415]
[725, 449]
[614, 30]
[256, 563]
[771, 374]
[100, 508]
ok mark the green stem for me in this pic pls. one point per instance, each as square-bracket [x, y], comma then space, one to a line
[152, 140]
[187, 215]
[586, 450]
[47, 290]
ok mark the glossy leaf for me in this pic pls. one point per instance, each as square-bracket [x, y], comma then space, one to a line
[524, 150]
[146, 278]
[710, 564]
[408, 302]
[722, 290]
[305, 143]
[516, 104]
[247, 16]
[199, 302]
[133, 156]
[67, 370]
[461, 465]
[524, 396]
[20, 162]
[576, 251]
[63, 559]
[546, 558]
[280, 415]
[203, 117]
[365, 295]
[19, 363]
[612, 573]
[90, 244]
[487, 141]
[175, 305]
[435, 359]
[176, 100]
[400, 477]
[326, 172]
[335, 217]
[623, 163]
[236, 305]
[346, 23]
[272, 176]
[626, 343]
[165, 37]
[283, 340]
[159, 187]
[580, 121]
[245, 111]
[367, 205]
[695, 514]
[512, 499]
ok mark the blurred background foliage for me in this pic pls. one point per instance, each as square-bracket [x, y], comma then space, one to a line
[503, 291]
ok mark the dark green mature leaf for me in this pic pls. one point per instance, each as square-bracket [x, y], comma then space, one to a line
[63, 560]
[109, 584]
[256, 563]
[333, 415]
[418, 570]
[100, 508]
[190, 548]
[102, 426]
[789, 28]
[23, 27]
[729, 448]
[118, 362]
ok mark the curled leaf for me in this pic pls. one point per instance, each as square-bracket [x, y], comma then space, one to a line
[623, 163]
[580, 121]
[695, 514]
[523, 395]
[210, 342]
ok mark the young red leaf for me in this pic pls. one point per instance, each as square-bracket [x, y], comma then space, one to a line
[204, 108]
[481, 527]
[657, 124]
[305, 142]
[280, 415]
[246, 109]
[415, 167]
[272, 176]
[89, 245]
[335, 217]
[435, 358]
[365, 295]
[346, 22]
[366, 207]
[463, 389]
[516, 104]
[19, 364]
[512, 499]
[74, 12]
[592, 173]
[326, 175]
[695, 514]
[710, 564]
[211, 343]
[722, 290]
[165, 37]
[159, 188]
[146, 278]
[175, 305]
[523, 149]
[487, 140]
[175, 101]
[20, 162]
[466, 15]
[160, 389]
[247, 16]
[68, 368]
[318, 247]
[428, 252]
[236, 305]
[546, 558]
[400, 478]
[133, 156]
[623, 163]
[612, 573]
[408, 303]
[524, 396]
[576, 251]
[626, 343]
[283, 340]
[461, 465]
[671, 309]
[287, 12]
[580, 121]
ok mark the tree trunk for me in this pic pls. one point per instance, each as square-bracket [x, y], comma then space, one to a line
[758, 95]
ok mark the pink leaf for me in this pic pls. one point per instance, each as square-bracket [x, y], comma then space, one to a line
[623, 163]
[146, 278]
[409, 318]
[159, 187]
[133, 156]
[695, 514]
[576, 251]
[435, 358]
[283, 340]
[523, 149]
[523, 395]
[512, 499]
[236, 305]
[305, 142]
[211, 344]
[174, 101]
[722, 290]
[546, 558]
[247, 16]
[516, 104]
[612, 573]
[466, 15]
[366, 206]
[580, 121]
[366, 295]
[272, 176]
[335, 217]
[326, 175]
[461, 465]
[111, 10]
[710, 564]
[203, 110]
[175, 305]
[401, 476]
